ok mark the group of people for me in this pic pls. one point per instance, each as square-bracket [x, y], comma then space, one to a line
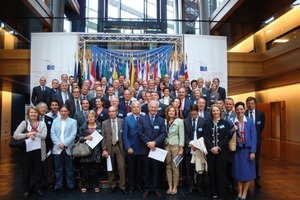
[187, 119]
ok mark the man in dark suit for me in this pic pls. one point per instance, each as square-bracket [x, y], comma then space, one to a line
[229, 114]
[74, 103]
[119, 91]
[112, 145]
[81, 116]
[161, 107]
[55, 87]
[132, 145]
[204, 91]
[258, 118]
[167, 82]
[125, 103]
[41, 93]
[62, 95]
[193, 128]
[152, 133]
[220, 90]
[100, 94]
[48, 164]
[185, 102]
[201, 103]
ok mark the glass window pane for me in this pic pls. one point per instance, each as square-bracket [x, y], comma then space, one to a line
[132, 9]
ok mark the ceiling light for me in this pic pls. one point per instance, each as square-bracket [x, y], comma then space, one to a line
[268, 21]
[281, 40]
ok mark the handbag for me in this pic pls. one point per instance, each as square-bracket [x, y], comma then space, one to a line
[81, 150]
[232, 143]
[19, 143]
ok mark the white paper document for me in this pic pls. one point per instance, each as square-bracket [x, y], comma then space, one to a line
[33, 144]
[158, 154]
[56, 150]
[97, 137]
[108, 164]
[177, 160]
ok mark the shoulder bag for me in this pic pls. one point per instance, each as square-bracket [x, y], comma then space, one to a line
[81, 150]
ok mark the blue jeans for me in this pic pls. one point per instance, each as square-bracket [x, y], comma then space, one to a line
[63, 160]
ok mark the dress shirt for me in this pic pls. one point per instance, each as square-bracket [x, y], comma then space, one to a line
[114, 122]
[62, 135]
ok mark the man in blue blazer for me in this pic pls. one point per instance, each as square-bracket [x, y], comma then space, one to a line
[193, 133]
[132, 147]
[161, 107]
[152, 133]
[63, 94]
[258, 118]
[185, 102]
[220, 90]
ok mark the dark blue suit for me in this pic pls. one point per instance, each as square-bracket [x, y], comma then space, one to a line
[148, 132]
[38, 95]
[161, 109]
[259, 125]
[134, 161]
[187, 103]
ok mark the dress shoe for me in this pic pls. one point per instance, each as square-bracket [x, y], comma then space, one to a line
[201, 192]
[145, 194]
[112, 189]
[257, 184]
[26, 195]
[189, 191]
[40, 192]
[124, 191]
[158, 194]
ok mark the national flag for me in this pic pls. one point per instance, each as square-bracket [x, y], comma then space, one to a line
[97, 70]
[181, 71]
[115, 73]
[79, 74]
[75, 71]
[93, 74]
[145, 70]
[148, 69]
[139, 70]
[158, 67]
[132, 72]
[186, 74]
[127, 68]
[171, 71]
[88, 70]
[154, 70]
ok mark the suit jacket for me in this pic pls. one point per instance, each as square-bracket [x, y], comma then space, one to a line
[130, 134]
[107, 135]
[71, 105]
[91, 94]
[231, 117]
[189, 133]
[259, 123]
[175, 133]
[222, 138]
[38, 95]
[106, 103]
[250, 135]
[57, 96]
[122, 106]
[172, 88]
[222, 93]
[187, 103]
[52, 92]
[206, 115]
[69, 133]
[80, 118]
[148, 132]
[161, 109]
[48, 121]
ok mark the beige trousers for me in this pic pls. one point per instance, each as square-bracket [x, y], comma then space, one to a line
[171, 170]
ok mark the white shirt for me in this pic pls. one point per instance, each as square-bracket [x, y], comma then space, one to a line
[62, 135]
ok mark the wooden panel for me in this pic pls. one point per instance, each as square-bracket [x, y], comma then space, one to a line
[14, 54]
[245, 69]
[14, 67]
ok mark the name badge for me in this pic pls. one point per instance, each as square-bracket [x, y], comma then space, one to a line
[48, 122]
[172, 129]
[156, 127]
[159, 108]
[120, 114]
[199, 129]
[204, 95]
[258, 122]
[222, 126]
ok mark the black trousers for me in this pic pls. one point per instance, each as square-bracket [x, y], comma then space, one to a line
[190, 174]
[153, 169]
[134, 170]
[32, 165]
[217, 173]
[89, 172]
[48, 172]
[257, 157]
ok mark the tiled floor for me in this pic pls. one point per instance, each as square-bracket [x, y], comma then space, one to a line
[280, 174]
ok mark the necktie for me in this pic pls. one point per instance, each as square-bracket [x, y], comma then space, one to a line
[251, 115]
[42, 118]
[127, 107]
[43, 88]
[226, 116]
[137, 118]
[152, 119]
[77, 105]
[194, 129]
[114, 130]
[85, 114]
[65, 96]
